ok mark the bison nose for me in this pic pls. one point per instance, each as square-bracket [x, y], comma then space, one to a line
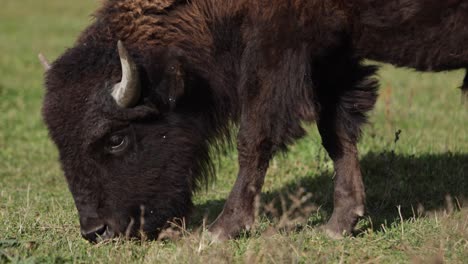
[97, 234]
[94, 229]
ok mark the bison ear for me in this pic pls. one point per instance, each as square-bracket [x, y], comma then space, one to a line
[175, 82]
[164, 75]
[171, 85]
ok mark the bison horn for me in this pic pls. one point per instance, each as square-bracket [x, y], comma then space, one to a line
[45, 63]
[127, 92]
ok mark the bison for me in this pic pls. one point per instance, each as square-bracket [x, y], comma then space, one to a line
[152, 85]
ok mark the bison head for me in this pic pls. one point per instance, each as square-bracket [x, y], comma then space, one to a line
[131, 133]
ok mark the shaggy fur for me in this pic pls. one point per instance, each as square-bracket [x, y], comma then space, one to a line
[266, 66]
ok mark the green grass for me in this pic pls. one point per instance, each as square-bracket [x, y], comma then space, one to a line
[424, 172]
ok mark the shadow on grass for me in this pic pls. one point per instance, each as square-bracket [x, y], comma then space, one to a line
[391, 180]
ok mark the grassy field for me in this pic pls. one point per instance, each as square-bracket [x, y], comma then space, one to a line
[416, 184]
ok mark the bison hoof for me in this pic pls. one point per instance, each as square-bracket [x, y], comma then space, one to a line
[343, 221]
[219, 233]
[229, 226]
[332, 232]
[216, 237]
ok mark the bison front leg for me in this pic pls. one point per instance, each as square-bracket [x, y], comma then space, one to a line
[238, 213]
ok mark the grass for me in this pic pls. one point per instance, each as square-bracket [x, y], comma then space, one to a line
[416, 185]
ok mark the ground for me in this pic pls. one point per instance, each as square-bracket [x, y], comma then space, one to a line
[414, 157]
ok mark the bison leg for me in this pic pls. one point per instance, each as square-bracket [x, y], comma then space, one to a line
[238, 213]
[345, 102]
[270, 119]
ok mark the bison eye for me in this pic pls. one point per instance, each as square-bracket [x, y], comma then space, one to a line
[117, 143]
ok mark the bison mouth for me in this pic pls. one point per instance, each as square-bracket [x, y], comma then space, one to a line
[148, 224]
[101, 233]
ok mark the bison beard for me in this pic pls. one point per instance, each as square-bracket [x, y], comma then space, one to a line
[198, 67]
